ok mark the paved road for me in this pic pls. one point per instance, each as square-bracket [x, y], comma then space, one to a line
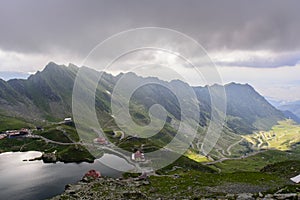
[238, 158]
[228, 149]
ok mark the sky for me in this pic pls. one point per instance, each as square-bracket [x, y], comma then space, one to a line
[250, 41]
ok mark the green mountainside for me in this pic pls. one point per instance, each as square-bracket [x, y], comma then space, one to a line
[48, 94]
[256, 146]
[47, 97]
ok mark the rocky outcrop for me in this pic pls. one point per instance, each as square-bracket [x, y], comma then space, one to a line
[49, 158]
[105, 188]
[136, 188]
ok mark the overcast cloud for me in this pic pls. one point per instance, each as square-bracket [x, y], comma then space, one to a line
[252, 34]
[44, 26]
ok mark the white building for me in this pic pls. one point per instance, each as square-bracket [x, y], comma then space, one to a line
[68, 120]
[296, 179]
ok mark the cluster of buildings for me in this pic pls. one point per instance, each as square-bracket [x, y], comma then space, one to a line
[14, 133]
[100, 140]
[138, 156]
[24, 132]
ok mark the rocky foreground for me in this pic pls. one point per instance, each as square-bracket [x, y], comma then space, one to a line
[133, 188]
[105, 188]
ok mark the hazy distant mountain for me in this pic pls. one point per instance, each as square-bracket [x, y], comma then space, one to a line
[288, 114]
[6, 75]
[275, 102]
[291, 106]
[48, 95]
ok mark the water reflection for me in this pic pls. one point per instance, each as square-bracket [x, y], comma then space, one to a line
[36, 180]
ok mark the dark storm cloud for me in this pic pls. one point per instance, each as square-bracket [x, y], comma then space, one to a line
[77, 26]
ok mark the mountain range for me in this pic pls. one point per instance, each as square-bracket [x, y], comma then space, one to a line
[291, 109]
[7, 75]
[47, 95]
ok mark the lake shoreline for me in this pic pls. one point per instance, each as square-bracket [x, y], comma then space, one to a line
[50, 158]
[73, 153]
[38, 180]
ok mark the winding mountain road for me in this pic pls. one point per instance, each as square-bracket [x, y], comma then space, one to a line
[232, 145]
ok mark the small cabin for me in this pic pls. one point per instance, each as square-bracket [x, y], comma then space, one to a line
[68, 120]
[296, 179]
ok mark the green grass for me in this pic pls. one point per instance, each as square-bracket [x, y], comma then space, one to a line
[55, 135]
[288, 168]
[131, 143]
[196, 156]
[256, 162]
[210, 179]
[194, 176]
[75, 153]
[196, 182]
[185, 164]
[71, 132]
[11, 123]
[69, 153]
[118, 133]
[271, 168]
[21, 144]
[65, 153]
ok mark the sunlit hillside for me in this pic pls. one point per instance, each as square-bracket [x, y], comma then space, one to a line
[282, 136]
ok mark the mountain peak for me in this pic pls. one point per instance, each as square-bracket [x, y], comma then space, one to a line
[51, 66]
[54, 67]
[239, 84]
[71, 65]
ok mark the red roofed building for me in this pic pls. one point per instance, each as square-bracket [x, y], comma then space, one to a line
[138, 156]
[17, 133]
[93, 174]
